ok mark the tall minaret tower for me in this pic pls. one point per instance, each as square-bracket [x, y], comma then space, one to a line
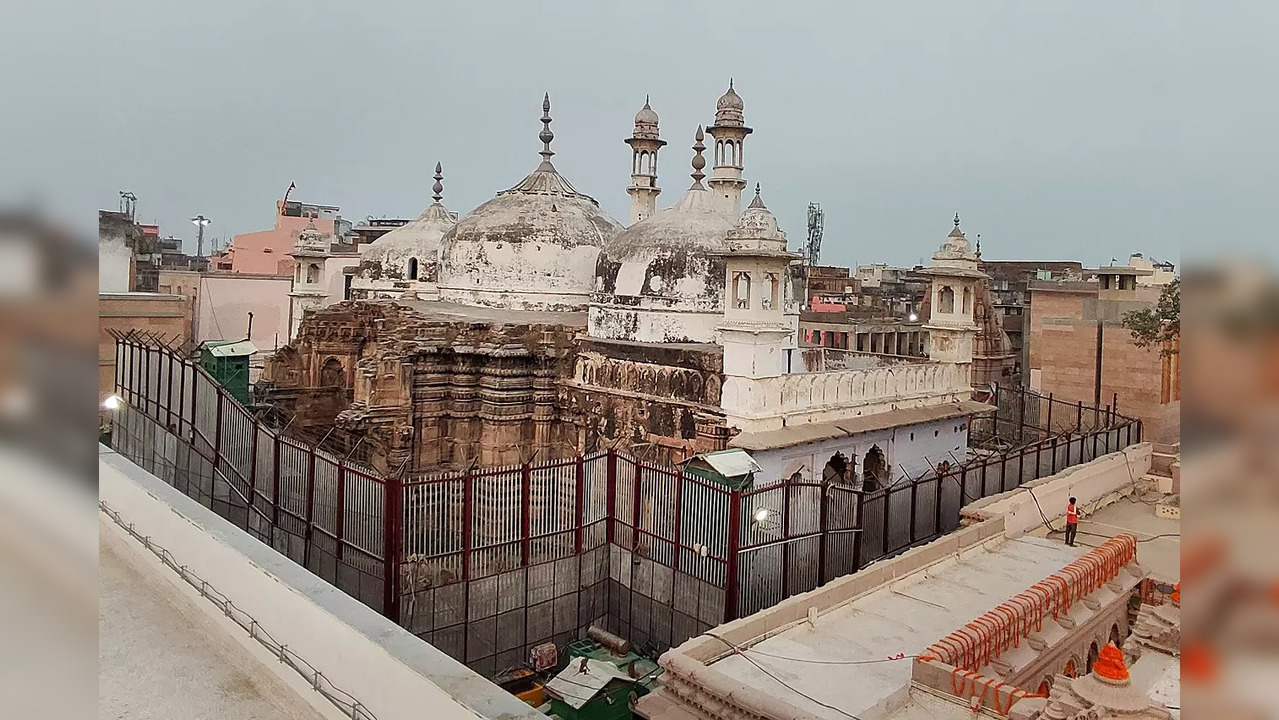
[730, 133]
[644, 143]
[950, 324]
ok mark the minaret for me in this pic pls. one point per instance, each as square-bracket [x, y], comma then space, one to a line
[644, 142]
[730, 133]
[950, 324]
[309, 291]
[755, 332]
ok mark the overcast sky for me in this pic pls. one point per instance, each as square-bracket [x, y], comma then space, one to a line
[1058, 130]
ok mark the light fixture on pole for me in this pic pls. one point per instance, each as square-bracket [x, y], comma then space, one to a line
[200, 223]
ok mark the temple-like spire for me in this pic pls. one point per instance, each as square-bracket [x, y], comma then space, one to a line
[758, 202]
[438, 187]
[699, 162]
[546, 136]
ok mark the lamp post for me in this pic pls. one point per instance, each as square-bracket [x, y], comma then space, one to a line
[200, 223]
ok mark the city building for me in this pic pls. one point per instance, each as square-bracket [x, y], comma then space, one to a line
[558, 331]
[1010, 297]
[1161, 272]
[268, 252]
[1080, 352]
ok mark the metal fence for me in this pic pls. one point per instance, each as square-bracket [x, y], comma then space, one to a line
[487, 563]
[321, 511]
[1024, 416]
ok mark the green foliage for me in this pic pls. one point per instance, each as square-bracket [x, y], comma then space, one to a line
[1160, 325]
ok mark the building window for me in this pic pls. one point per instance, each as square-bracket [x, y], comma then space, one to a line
[742, 291]
[770, 291]
[946, 300]
[874, 469]
[968, 301]
[313, 273]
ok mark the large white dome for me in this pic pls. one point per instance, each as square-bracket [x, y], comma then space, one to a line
[662, 279]
[532, 247]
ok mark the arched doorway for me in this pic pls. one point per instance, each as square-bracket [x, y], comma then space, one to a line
[874, 469]
[1045, 687]
[1070, 670]
[412, 268]
[836, 470]
[331, 374]
[1114, 634]
[1092, 656]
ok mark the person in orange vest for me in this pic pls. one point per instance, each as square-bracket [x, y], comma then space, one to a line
[1072, 522]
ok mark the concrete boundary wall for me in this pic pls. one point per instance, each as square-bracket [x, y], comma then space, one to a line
[1094, 485]
[393, 673]
[754, 628]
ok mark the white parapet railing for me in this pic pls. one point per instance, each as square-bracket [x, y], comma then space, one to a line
[797, 399]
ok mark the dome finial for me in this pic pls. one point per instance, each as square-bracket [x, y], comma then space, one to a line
[438, 187]
[645, 99]
[758, 202]
[699, 162]
[730, 83]
[546, 136]
[956, 219]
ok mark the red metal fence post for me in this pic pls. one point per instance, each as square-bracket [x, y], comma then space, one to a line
[734, 543]
[635, 509]
[679, 519]
[579, 477]
[822, 530]
[468, 515]
[310, 509]
[392, 545]
[611, 500]
[339, 524]
[786, 490]
[914, 498]
[526, 514]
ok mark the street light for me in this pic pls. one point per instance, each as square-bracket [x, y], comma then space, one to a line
[112, 402]
[200, 223]
[913, 317]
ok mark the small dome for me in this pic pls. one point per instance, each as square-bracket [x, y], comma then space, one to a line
[418, 239]
[729, 107]
[757, 228]
[646, 115]
[389, 255]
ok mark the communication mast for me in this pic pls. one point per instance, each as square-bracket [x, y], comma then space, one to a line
[813, 247]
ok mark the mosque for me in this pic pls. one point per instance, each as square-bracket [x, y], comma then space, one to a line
[536, 326]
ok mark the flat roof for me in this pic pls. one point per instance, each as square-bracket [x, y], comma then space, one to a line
[501, 316]
[905, 616]
[1159, 538]
[160, 657]
[815, 432]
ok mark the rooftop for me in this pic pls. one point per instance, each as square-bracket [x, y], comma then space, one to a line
[904, 617]
[1159, 537]
[450, 311]
[160, 656]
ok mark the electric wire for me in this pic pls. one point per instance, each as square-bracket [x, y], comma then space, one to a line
[780, 681]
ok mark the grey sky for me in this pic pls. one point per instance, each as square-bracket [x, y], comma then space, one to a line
[1056, 129]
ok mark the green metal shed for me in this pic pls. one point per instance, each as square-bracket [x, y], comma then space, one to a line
[228, 362]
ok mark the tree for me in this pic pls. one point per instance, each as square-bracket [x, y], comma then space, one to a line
[1159, 325]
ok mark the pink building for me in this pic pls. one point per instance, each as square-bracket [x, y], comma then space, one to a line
[267, 252]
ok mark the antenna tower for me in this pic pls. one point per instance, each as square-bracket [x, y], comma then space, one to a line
[813, 247]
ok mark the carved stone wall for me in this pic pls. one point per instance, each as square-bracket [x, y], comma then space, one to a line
[659, 402]
[424, 387]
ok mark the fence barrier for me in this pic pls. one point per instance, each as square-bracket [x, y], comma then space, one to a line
[487, 563]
